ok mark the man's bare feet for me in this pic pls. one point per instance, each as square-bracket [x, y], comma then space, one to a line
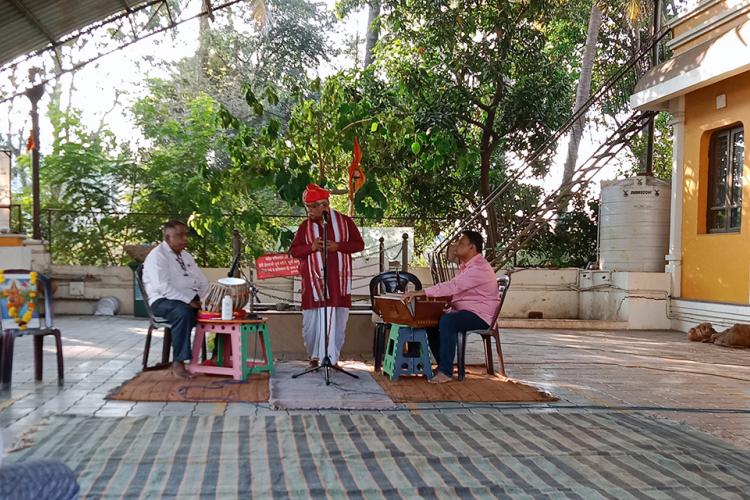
[314, 362]
[440, 378]
[179, 371]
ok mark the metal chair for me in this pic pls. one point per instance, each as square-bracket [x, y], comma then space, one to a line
[387, 282]
[156, 322]
[503, 283]
[9, 335]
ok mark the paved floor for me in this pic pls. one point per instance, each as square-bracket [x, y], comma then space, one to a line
[660, 372]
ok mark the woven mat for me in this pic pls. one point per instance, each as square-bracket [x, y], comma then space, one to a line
[161, 385]
[476, 387]
[471, 455]
[310, 392]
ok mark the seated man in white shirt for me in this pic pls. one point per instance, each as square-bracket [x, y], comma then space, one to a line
[174, 286]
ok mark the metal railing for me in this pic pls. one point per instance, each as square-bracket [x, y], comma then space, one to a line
[98, 237]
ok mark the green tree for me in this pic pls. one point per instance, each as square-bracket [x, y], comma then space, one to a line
[214, 127]
[485, 72]
[186, 173]
[662, 162]
[455, 94]
[84, 181]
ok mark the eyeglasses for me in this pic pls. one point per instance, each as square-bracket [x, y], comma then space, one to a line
[323, 203]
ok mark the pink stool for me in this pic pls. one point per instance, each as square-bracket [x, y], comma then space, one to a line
[233, 358]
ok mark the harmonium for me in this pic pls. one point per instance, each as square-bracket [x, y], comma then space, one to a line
[423, 312]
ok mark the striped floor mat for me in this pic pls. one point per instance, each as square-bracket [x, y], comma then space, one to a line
[470, 455]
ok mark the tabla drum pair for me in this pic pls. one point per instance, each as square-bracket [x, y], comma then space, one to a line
[236, 288]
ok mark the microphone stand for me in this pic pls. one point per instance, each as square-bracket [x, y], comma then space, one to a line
[234, 265]
[325, 363]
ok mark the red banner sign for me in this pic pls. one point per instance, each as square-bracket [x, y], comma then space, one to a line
[276, 265]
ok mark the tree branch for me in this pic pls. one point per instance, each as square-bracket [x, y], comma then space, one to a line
[476, 123]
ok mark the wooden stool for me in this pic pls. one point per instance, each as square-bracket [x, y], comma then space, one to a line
[233, 351]
[407, 353]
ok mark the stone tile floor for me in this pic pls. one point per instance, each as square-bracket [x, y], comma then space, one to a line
[660, 372]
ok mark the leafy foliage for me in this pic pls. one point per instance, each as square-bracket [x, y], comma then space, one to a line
[84, 179]
[662, 163]
[571, 242]
[458, 92]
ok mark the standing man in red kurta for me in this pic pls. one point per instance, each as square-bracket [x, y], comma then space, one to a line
[343, 240]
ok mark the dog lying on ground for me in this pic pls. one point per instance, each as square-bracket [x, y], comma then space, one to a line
[701, 333]
[736, 336]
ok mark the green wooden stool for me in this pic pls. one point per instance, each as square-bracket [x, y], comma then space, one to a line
[407, 352]
[251, 334]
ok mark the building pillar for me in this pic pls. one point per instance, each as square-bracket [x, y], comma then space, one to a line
[674, 258]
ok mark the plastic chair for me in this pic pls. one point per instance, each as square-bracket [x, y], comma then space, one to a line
[503, 283]
[9, 335]
[156, 322]
[387, 282]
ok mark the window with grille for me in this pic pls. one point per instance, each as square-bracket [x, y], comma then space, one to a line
[725, 160]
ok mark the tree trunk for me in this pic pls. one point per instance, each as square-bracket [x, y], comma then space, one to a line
[204, 28]
[373, 30]
[583, 92]
[486, 149]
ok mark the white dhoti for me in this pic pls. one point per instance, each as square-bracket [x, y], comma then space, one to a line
[314, 333]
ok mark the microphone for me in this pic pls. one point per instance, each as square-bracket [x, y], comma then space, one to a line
[325, 215]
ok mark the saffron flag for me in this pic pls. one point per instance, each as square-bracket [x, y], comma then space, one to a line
[30, 144]
[356, 175]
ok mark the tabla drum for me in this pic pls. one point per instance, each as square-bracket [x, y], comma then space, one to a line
[234, 287]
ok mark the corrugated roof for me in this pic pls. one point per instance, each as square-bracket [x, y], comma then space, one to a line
[29, 25]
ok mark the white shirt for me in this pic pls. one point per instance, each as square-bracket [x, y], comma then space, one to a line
[165, 278]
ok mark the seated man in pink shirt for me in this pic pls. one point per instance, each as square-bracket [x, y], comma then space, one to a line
[474, 299]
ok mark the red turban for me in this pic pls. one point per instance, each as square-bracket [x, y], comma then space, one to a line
[314, 193]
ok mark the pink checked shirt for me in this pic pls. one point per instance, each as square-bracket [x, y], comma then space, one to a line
[473, 289]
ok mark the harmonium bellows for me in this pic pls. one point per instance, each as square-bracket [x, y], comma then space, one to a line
[421, 313]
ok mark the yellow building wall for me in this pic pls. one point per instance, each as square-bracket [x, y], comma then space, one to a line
[715, 267]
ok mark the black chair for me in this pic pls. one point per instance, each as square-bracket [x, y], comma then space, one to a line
[9, 335]
[155, 322]
[387, 282]
[503, 283]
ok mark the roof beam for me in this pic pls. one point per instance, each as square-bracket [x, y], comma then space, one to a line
[169, 13]
[31, 17]
[16, 92]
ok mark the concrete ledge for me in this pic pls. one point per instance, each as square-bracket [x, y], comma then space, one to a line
[563, 324]
[687, 313]
[285, 329]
